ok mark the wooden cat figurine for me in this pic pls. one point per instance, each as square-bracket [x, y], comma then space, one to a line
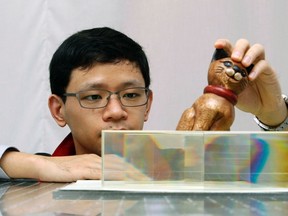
[214, 110]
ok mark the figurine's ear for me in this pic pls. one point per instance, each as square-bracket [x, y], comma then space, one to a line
[249, 69]
[219, 54]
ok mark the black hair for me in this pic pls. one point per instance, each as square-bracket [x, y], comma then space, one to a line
[86, 48]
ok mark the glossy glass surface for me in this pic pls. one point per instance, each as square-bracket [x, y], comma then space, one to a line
[34, 198]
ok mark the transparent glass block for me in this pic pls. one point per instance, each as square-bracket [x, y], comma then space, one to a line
[174, 158]
[184, 160]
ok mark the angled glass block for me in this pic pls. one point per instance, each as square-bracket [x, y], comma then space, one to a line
[269, 158]
[257, 158]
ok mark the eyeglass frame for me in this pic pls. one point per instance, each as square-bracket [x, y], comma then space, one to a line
[77, 95]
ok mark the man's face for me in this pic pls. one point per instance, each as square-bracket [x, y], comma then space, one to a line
[86, 124]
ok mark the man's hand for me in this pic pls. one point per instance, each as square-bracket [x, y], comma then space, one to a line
[262, 97]
[116, 168]
[51, 169]
[67, 168]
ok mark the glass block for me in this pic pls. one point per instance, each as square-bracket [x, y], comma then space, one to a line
[186, 160]
[269, 158]
[147, 157]
[227, 156]
[255, 157]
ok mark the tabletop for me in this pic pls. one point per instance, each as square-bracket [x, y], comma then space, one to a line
[35, 198]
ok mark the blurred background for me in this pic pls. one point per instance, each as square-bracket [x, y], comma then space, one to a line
[177, 35]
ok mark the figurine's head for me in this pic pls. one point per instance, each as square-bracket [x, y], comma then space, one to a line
[223, 71]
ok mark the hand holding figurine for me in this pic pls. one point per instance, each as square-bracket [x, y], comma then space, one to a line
[263, 96]
[214, 110]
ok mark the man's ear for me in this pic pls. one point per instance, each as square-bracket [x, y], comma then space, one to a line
[56, 107]
[148, 106]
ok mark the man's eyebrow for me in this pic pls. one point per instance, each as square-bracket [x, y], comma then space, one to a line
[93, 85]
[127, 84]
[133, 83]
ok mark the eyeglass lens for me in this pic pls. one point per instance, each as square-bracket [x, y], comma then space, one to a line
[98, 98]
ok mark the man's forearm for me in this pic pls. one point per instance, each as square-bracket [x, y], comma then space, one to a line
[20, 165]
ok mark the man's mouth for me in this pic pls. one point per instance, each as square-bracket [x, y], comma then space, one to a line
[115, 128]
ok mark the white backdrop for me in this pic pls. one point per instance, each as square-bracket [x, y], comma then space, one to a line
[177, 35]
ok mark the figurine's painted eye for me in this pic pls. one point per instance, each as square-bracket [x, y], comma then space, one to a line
[228, 64]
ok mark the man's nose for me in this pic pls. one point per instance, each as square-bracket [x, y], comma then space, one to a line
[114, 109]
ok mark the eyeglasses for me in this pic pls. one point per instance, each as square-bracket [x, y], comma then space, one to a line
[99, 98]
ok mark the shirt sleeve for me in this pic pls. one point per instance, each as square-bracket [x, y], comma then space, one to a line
[3, 149]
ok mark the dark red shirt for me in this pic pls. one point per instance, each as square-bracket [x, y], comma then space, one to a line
[66, 147]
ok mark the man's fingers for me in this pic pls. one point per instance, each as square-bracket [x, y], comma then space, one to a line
[253, 55]
[239, 50]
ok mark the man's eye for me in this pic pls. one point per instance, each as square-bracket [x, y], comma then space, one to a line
[228, 63]
[130, 95]
[92, 97]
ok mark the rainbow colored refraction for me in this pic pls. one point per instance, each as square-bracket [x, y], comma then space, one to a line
[257, 158]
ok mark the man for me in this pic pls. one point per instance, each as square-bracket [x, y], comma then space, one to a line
[100, 80]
